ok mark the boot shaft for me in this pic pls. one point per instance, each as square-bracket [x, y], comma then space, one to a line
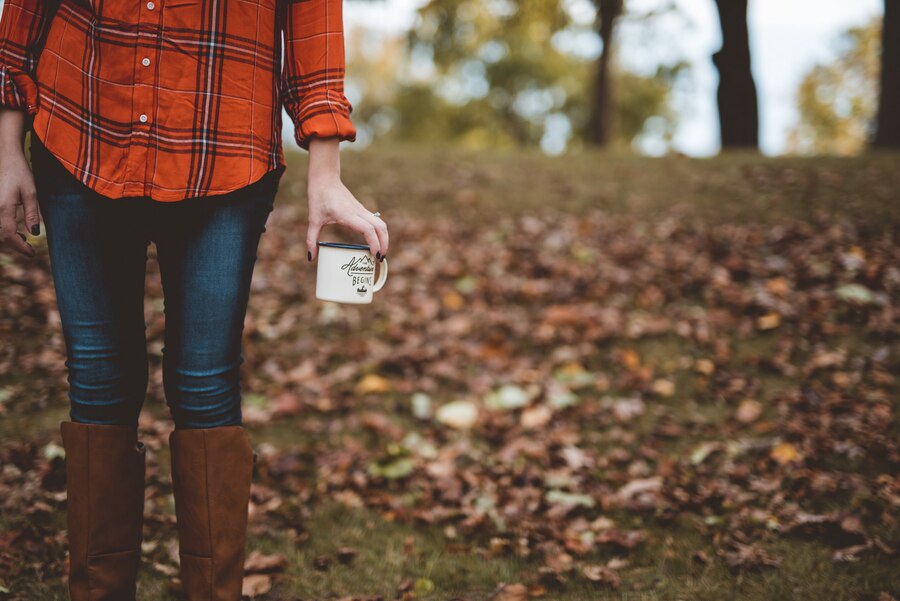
[105, 470]
[212, 470]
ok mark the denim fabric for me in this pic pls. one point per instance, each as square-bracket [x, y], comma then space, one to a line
[206, 248]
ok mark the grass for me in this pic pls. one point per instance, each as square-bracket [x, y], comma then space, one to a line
[739, 187]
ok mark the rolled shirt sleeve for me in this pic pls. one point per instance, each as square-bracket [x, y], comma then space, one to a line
[312, 78]
[23, 28]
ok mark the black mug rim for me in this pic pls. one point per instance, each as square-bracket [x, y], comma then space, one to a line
[345, 245]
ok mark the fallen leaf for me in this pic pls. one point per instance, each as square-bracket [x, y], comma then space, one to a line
[510, 592]
[259, 562]
[749, 557]
[784, 453]
[256, 584]
[536, 417]
[769, 321]
[458, 414]
[373, 384]
[602, 575]
[663, 387]
[705, 367]
[748, 411]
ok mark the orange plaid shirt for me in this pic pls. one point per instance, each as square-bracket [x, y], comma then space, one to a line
[174, 99]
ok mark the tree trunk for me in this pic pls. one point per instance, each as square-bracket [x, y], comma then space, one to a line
[888, 127]
[600, 124]
[738, 111]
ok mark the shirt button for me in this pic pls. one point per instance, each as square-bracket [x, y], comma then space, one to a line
[146, 62]
[151, 6]
[143, 118]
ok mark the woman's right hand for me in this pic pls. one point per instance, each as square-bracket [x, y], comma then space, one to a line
[16, 184]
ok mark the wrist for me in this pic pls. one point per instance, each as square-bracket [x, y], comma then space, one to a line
[324, 162]
[321, 178]
[12, 128]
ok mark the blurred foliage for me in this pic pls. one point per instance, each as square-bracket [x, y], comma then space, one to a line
[491, 74]
[838, 101]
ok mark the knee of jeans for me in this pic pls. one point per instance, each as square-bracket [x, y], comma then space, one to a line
[106, 392]
[191, 418]
[113, 407]
[224, 412]
[94, 417]
[116, 410]
[203, 398]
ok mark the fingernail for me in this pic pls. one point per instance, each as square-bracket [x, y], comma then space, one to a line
[22, 236]
[383, 258]
[378, 255]
[309, 255]
[35, 229]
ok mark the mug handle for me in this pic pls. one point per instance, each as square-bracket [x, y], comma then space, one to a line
[382, 276]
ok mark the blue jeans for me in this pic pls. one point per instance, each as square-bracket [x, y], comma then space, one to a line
[206, 249]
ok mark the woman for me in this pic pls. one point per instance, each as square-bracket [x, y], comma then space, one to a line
[161, 122]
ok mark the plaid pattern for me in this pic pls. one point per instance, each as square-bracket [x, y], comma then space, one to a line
[174, 99]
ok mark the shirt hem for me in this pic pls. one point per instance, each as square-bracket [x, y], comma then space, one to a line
[114, 192]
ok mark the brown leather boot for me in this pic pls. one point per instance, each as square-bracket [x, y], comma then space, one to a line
[212, 469]
[105, 467]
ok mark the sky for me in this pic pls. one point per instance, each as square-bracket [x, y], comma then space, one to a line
[787, 38]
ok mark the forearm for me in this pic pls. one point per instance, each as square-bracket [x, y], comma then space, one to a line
[324, 161]
[12, 130]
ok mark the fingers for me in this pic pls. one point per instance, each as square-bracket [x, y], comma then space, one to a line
[312, 239]
[376, 233]
[8, 233]
[372, 228]
[382, 231]
[30, 206]
[366, 227]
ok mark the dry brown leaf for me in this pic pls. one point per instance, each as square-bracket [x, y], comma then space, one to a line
[510, 592]
[602, 575]
[748, 411]
[748, 557]
[373, 384]
[784, 453]
[536, 417]
[259, 562]
[256, 584]
[705, 367]
[769, 321]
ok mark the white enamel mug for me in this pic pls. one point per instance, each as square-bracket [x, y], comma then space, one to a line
[346, 273]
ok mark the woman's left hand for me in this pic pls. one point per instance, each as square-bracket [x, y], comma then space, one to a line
[331, 202]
